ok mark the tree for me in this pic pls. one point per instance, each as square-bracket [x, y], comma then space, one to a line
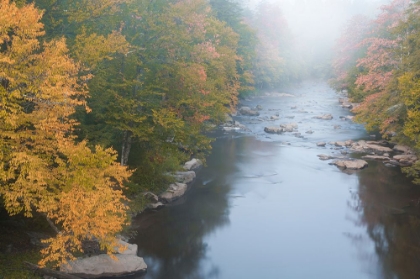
[42, 169]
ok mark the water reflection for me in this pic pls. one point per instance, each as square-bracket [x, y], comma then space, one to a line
[173, 238]
[387, 204]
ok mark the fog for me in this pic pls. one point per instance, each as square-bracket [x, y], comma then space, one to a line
[316, 24]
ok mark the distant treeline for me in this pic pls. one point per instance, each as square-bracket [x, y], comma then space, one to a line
[80, 79]
[378, 62]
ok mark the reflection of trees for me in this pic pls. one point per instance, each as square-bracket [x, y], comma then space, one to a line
[172, 239]
[387, 204]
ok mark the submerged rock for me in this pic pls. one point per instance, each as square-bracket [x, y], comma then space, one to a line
[104, 266]
[324, 117]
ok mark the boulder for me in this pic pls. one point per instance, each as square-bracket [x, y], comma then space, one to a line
[247, 111]
[131, 249]
[309, 132]
[324, 117]
[322, 144]
[273, 130]
[104, 266]
[403, 149]
[351, 164]
[184, 176]
[405, 160]
[274, 117]
[193, 164]
[259, 107]
[174, 192]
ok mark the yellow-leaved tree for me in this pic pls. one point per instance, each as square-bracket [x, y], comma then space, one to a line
[42, 168]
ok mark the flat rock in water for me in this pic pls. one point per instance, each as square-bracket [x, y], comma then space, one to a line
[322, 144]
[174, 192]
[193, 164]
[355, 164]
[325, 157]
[375, 157]
[104, 266]
[363, 146]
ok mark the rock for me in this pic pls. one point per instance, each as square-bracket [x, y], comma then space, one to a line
[365, 147]
[298, 135]
[324, 117]
[340, 144]
[248, 111]
[293, 107]
[405, 160]
[155, 206]
[259, 107]
[347, 105]
[322, 144]
[336, 127]
[403, 149]
[131, 249]
[193, 164]
[274, 117]
[273, 130]
[228, 118]
[375, 157]
[290, 116]
[290, 127]
[104, 266]
[174, 192]
[151, 197]
[350, 117]
[309, 132]
[351, 164]
[325, 157]
[184, 176]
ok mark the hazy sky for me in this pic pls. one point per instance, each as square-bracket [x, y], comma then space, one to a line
[318, 22]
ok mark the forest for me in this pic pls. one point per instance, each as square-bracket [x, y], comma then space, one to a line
[376, 60]
[100, 100]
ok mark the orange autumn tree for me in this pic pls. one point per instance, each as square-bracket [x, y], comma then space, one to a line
[42, 168]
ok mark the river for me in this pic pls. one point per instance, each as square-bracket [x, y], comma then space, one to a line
[266, 207]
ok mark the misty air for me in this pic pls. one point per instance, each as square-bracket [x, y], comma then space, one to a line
[210, 139]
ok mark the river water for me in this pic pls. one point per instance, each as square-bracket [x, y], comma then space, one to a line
[266, 207]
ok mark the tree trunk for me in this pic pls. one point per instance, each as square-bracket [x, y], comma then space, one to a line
[126, 146]
[49, 272]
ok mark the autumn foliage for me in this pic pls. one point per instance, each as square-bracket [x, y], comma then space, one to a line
[42, 168]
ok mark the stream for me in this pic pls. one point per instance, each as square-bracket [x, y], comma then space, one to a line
[265, 206]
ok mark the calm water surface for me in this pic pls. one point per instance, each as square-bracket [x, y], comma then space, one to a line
[266, 207]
